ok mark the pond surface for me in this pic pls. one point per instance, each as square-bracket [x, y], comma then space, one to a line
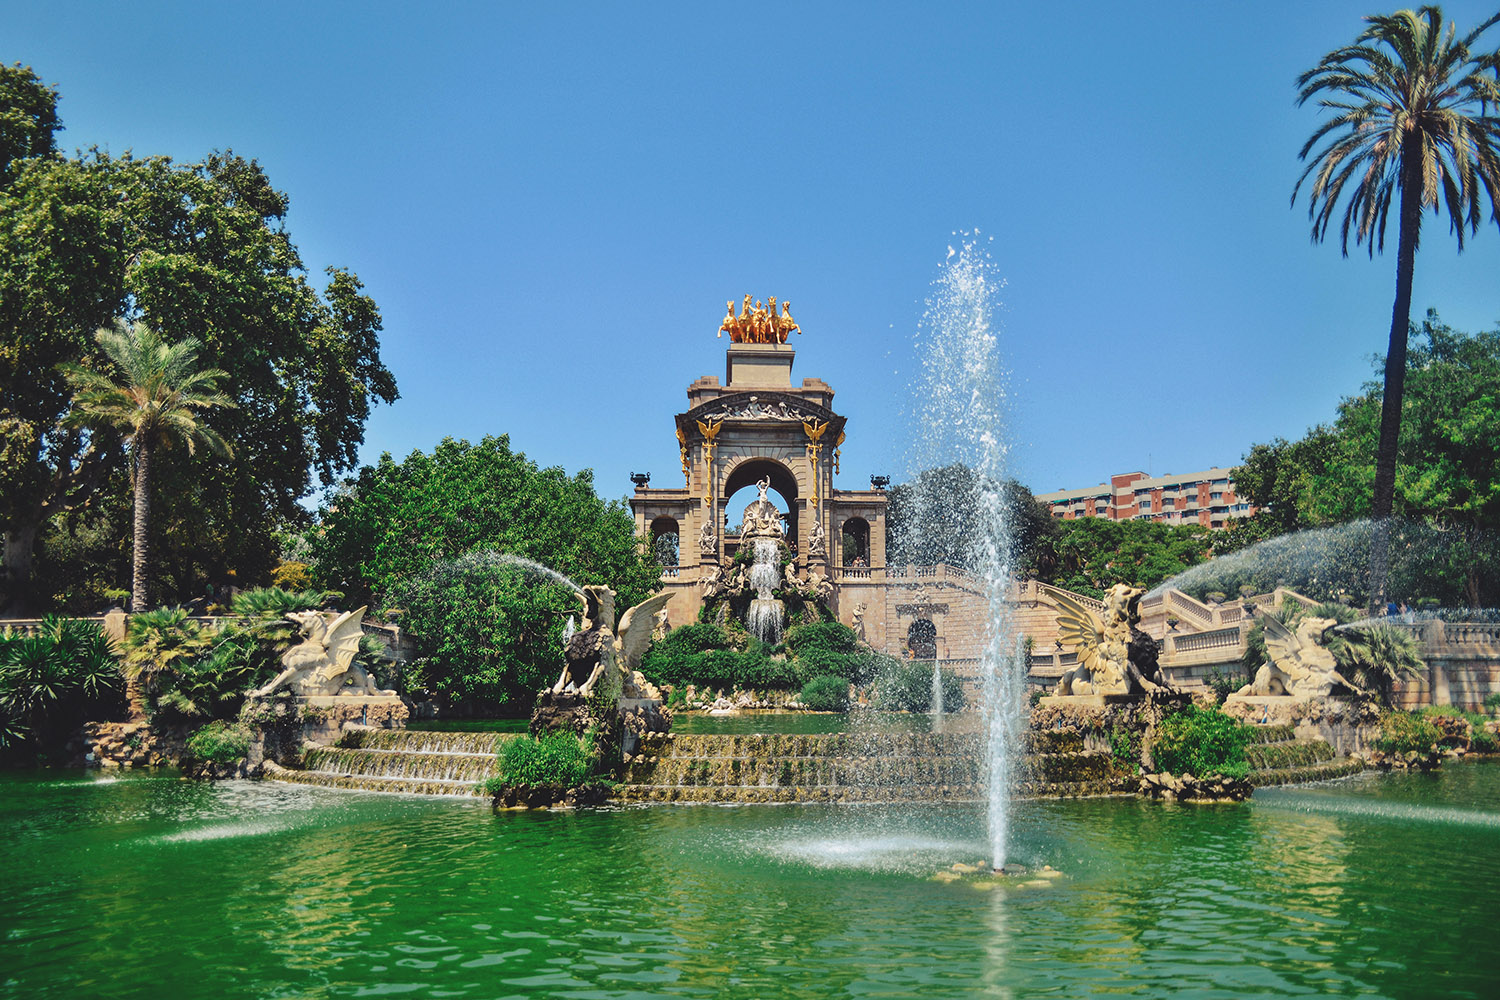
[153, 887]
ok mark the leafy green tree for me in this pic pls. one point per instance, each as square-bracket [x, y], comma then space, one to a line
[937, 518]
[1412, 123]
[1445, 542]
[1089, 555]
[444, 539]
[154, 403]
[28, 116]
[200, 249]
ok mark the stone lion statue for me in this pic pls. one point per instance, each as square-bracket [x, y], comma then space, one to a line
[323, 662]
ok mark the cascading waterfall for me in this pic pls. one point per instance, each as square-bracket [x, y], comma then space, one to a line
[766, 613]
[959, 419]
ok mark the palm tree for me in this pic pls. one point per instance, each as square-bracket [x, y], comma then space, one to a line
[1412, 116]
[155, 404]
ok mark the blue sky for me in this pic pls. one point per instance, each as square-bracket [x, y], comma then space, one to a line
[551, 205]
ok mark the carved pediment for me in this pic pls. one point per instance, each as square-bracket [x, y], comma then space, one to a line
[767, 405]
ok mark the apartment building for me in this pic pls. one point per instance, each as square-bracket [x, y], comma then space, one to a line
[1207, 498]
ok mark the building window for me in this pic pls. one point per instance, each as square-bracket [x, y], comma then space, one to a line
[664, 541]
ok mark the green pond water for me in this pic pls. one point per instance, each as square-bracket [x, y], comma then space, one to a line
[154, 887]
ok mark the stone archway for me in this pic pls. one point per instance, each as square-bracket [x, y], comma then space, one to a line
[921, 639]
[783, 482]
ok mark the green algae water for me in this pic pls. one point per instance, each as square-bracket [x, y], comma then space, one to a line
[128, 886]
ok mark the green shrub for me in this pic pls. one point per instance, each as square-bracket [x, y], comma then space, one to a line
[555, 759]
[677, 659]
[906, 686]
[826, 693]
[1225, 684]
[1125, 748]
[220, 742]
[1201, 742]
[53, 681]
[1492, 702]
[1407, 732]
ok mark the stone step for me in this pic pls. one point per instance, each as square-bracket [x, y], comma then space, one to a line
[367, 783]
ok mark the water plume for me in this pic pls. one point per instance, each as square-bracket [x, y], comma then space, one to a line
[959, 418]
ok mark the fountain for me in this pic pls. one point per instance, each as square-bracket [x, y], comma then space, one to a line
[959, 418]
[761, 529]
[937, 698]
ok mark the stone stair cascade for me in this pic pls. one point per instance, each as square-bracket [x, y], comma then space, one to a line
[849, 767]
[406, 761]
[1278, 758]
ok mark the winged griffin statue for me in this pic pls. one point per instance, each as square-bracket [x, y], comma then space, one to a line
[323, 662]
[598, 654]
[1298, 663]
[1114, 657]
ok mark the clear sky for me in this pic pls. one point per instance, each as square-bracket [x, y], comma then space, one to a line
[551, 205]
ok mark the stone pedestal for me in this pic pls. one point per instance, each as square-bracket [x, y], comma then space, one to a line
[282, 723]
[324, 717]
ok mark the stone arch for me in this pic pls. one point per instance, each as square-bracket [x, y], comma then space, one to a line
[784, 481]
[921, 639]
[666, 541]
[855, 539]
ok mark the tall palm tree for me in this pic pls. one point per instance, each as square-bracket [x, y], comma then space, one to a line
[155, 403]
[1414, 115]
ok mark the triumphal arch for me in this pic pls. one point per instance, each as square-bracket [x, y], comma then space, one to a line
[759, 423]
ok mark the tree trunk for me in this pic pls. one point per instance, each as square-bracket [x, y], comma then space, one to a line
[142, 485]
[1395, 371]
[19, 557]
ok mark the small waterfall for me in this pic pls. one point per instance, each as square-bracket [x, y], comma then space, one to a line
[767, 615]
[937, 698]
[403, 761]
[570, 628]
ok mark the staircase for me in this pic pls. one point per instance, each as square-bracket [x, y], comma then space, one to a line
[396, 760]
[1278, 758]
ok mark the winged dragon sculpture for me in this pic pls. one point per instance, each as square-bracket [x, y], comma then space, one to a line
[599, 654]
[1298, 663]
[1114, 657]
[323, 662]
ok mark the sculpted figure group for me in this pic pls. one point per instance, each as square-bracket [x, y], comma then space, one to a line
[758, 324]
[1114, 657]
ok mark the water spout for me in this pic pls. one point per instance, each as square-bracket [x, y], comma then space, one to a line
[937, 698]
[960, 420]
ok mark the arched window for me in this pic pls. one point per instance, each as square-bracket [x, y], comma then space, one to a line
[856, 543]
[664, 541]
[921, 639]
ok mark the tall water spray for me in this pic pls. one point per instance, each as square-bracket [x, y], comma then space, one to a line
[959, 415]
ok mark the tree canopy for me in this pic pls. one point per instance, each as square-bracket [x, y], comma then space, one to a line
[1449, 472]
[937, 515]
[1088, 555]
[434, 539]
[200, 250]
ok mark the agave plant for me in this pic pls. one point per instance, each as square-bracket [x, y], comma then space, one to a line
[52, 680]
